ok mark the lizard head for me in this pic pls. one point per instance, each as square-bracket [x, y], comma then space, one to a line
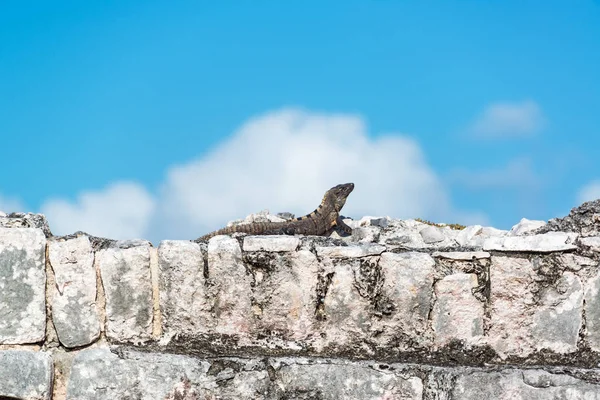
[337, 195]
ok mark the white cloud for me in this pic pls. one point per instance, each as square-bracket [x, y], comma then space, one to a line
[9, 205]
[120, 211]
[589, 192]
[281, 161]
[509, 120]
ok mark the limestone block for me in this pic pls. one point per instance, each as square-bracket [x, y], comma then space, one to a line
[592, 312]
[592, 242]
[462, 255]
[432, 234]
[468, 235]
[285, 296]
[74, 311]
[457, 314]
[511, 306]
[525, 384]
[231, 288]
[352, 251]
[543, 243]
[525, 226]
[25, 375]
[558, 315]
[125, 272]
[22, 285]
[184, 303]
[271, 243]
[344, 382]
[408, 289]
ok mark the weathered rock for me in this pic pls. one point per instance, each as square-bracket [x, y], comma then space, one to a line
[231, 287]
[406, 295]
[526, 384]
[467, 236]
[525, 226]
[22, 285]
[184, 304]
[335, 381]
[25, 375]
[26, 220]
[557, 318]
[592, 312]
[591, 242]
[461, 255]
[431, 234]
[457, 314]
[125, 272]
[271, 243]
[365, 250]
[511, 306]
[543, 243]
[74, 296]
[584, 220]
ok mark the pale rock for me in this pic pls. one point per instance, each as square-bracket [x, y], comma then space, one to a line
[521, 385]
[271, 243]
[467, 235]
[345, 382]
[286, 296]
[592, 242]
[457, 314]
[125, 272]
[542, 243]
[462, 255]
[365, 234]
[351, 251]
[184, 302]
[511, 306]
[525, 226]
[22, 285]
[408, 288]
[557, 319]
[431, 234]
[74, 297]
[25, 375]
[592, 312]
[2, 214]
[231, 289]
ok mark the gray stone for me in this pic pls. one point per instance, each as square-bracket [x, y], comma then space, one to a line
[408, 290]
[525, 384]
[22, 285]
[584, 220]
[431, 234]
[543, 243]
[364, 250]
[127, 286]
[512, 304]
[592, 312]
[26, 220]
[462, 255]
[592, 242]
[344, 382]
[525, 226]
[271, 243]
[557, 318]
[74, 296]
[467, 235]
[230, 289]
[184, 303]
[25, 375]
[457, 314]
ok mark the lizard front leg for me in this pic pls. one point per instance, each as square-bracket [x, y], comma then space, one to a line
[341, 225]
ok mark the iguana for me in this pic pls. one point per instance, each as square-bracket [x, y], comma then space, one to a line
[319, 222]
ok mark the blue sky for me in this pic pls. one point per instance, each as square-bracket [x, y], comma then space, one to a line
[136, 118]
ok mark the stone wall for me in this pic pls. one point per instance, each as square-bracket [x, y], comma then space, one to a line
[399, 310]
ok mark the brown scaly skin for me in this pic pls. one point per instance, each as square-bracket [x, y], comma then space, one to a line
[320, 222]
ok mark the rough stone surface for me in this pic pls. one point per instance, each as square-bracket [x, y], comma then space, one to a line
[431, 234]
[407, 291]
[350, 251]
[525, 226]
[592, 242]
[592, 312]
[525, 385]
[271, 243]
[25, 375]
[22, 285]
[184, 303]
[26, 220]
[74, 297]
[543, 243]
[125, 272]
[584, 220]
[457, 314]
